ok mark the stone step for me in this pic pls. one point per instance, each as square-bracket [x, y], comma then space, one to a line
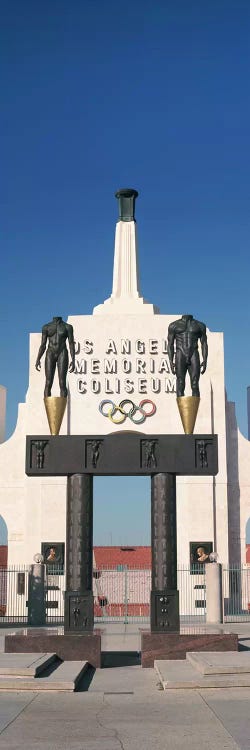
[64, 678]
[25, 665]
[224, 662]
[181, 675]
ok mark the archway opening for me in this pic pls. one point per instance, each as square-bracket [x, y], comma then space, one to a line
[122, 550]
[122, 511]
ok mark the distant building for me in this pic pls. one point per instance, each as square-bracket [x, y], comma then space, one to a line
[117, 557]
[3, 555]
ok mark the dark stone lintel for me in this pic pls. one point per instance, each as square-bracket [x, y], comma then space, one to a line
[123, 454]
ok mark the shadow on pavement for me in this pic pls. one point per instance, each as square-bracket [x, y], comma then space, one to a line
[110, 659]
[85, 682]
[244, 644]
[120, 659]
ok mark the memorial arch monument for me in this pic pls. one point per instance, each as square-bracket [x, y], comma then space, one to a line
[121, 356]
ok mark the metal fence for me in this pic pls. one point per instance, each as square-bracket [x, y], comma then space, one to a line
[191, 584]
[54, 595]
[236, 593]
[122, 594]
[14, 582]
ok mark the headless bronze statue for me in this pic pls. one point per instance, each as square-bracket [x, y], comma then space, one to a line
[56, 333]
[183, 337]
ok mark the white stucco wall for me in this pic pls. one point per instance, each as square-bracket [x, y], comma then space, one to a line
[35, 509]
[2, 412]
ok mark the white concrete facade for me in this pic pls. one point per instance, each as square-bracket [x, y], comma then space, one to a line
[2, 412]
[121, 352]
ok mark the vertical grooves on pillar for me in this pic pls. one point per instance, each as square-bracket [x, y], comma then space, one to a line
[116, 287]
[125, 261]
[163, 531]
[126, 272]
[137, 290]
[129, 261]
[79, 533]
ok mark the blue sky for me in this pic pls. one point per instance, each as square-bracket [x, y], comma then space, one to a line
[96, 96]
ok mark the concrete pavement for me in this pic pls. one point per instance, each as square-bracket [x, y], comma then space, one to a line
[122, 708]
[126, 712]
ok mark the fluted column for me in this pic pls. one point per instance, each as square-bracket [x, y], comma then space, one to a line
[125, 273]
[126, 296]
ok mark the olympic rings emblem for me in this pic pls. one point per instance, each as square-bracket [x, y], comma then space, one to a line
[117, 413]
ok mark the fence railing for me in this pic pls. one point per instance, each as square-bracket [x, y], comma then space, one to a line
[120, 593]
[54, 595]
[236, 593]
[14, 584]
[123, 594]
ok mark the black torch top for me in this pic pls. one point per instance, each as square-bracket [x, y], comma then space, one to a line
[126, 198]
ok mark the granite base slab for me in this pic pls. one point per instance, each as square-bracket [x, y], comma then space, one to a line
[68, 647]
[180, 675]
[175, 645]
[24, 665]
[229, 662]
[64, 678]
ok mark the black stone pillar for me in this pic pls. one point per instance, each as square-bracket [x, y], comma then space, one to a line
[164, 594]
[36, 596]
[79, 606]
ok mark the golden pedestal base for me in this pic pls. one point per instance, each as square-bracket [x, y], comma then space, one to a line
[55, 407]
[188, 407]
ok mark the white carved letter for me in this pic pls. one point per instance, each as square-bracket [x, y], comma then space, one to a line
[111, 348]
